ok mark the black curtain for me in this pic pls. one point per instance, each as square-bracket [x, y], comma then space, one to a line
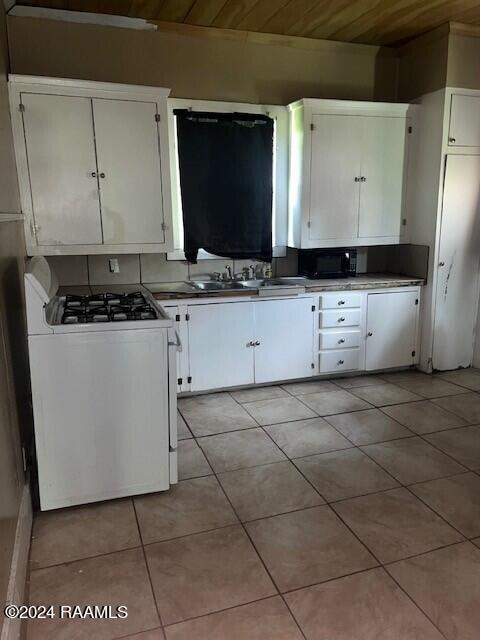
[225, 162]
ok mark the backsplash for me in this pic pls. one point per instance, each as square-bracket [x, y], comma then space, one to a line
[405, 259]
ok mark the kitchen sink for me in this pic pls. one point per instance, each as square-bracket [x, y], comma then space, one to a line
[286, 281]
[213, 285]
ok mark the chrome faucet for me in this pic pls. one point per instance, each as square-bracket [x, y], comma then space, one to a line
[228, 270]
[252, 271]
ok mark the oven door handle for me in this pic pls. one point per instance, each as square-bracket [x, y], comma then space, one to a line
[177, 343]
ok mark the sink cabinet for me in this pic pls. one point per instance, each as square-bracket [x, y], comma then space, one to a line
[243, 341]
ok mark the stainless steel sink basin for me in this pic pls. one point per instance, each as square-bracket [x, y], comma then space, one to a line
[212, 285]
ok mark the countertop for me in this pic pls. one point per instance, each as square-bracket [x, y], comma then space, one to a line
[179, 290]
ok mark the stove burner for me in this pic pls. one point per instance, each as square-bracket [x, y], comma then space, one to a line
[107, 307]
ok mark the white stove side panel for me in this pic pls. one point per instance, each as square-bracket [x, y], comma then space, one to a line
[101, 410]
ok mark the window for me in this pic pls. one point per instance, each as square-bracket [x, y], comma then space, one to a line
[279, 161]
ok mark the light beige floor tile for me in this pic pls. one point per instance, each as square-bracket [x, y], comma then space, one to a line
[183, 432]
[431, 388]
[344, 474]
[465, 405]
[476, 542]
[446, 586]
[312, 386]
[366, 427]
[365, 606]
[334, 402]
[424, 416]
[305, 547]
[264, 620]
[268, 490]
[258, 393]
[278, 410]
[116, 579]
[456, 499]
[188, 507]
[191, 461]
[383, 394]
[358, 381]
[412, 460]
[230, 451]
[462, 444]
[72, 534]
[395, 524]
[214, 413]
[305, 437]
[154, 634]
[206, 572]
[468, 378]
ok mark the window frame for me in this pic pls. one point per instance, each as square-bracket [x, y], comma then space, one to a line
[280, 169]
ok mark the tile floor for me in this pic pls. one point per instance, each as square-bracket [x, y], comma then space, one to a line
[343, 510]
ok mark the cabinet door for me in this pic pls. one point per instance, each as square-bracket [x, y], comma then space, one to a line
[464, 121]
[128, 153]
[284, 329]
[391, 329]
[381, 189]
[179, 314]
[62, 169]
[219, 345]
[334, 175]
[458, 267]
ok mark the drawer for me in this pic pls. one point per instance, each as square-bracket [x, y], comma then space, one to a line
[339, 318]
[332, 339]
[339, 360]
[339, 300]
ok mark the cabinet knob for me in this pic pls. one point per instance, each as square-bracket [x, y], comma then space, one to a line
[452, 139]
[340, 302]
[363, 179]
[342, 319]
[250, 344]
[341, 362]
[102, 175]
[341, 341]
[441, 264]
[257, 343]
[369, 334]
[93, 174]
[357, 179]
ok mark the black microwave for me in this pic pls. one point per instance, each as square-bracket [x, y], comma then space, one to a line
[327, 263]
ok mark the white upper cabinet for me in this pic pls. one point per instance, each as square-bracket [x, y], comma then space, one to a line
[93, 167]
[128, 154]
[347, 173]
[62, 170]
[464, 129]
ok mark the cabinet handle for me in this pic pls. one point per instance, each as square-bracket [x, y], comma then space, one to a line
[363, 179]
[369, 334]
[357, 179]
[341, 362]
[452, 139]
[342, 319]
[93, 174]
[102, 175]
[341, 341]
[441, 264]
[341, 302]
[250, 344]
[257, 343]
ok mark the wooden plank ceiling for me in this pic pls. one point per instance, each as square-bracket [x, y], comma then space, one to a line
[379, 22]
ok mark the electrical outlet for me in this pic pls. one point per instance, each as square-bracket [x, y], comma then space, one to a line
[113, 265]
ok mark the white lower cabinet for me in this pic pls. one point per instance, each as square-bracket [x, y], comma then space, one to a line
[284, 329]
[220, 337]
[179, 314]
[391, 329]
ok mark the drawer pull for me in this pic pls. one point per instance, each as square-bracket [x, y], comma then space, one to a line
[369, 334]
[341, 341]
[341, 362]
[342, 319]
[340, 302]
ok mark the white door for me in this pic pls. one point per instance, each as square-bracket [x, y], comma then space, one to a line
[334, 177]
[381, 187]
[128, 153]
[458, 266]
[284, 331]
[219, 338]
[63, 170]
[391, 329]
[101, 414]
[465, 121]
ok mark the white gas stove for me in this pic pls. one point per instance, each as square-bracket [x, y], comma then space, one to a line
[103, 369]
